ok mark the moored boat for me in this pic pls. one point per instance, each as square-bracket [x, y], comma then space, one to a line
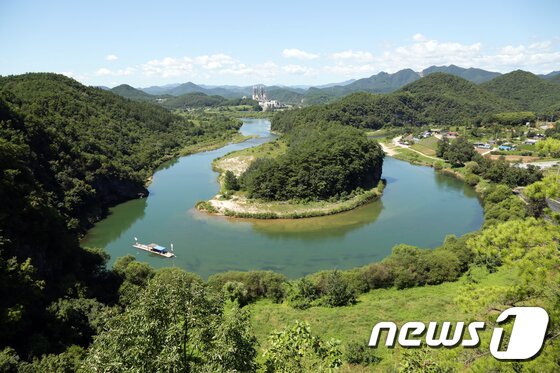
[155, 249]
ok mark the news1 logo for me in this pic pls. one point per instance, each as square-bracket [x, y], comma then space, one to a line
[525, 341]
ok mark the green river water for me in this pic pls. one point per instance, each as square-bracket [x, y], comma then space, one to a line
[419, 207]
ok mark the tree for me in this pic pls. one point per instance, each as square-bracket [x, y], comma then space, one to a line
[549, 147]
[236, 292]
[174, 325]
[230, 181]
[303, 293]
[528, 248]
[442, 147]
[322, 162]
[336, 290]
[538, 192]
[295, 349]
[460, 151]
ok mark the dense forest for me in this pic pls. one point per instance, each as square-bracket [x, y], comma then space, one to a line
[132, 93]
[67, 152]
[438, 99]
[201, 100]
[190, 100]
[528, 91]
[90, 148]
[321, 163]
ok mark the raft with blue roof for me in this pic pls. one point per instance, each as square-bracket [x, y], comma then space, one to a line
[155, 249]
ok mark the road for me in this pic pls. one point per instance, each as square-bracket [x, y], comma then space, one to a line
[542, 165]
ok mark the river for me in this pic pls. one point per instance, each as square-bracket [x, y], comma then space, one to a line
[419, 207]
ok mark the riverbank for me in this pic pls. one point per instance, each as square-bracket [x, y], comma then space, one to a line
[203, 146]
[242, 207]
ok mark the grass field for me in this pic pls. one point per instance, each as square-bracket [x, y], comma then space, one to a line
[269, 149]
[427, 146]
[408, 155]
[354, 323]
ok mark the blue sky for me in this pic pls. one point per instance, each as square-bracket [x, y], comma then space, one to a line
[272, 42]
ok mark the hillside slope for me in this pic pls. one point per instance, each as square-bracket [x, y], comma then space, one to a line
[471, 74]
[90, 148]
[67, 152]
[527, 90]
[124, 90]
[438, 99]
[378, 83]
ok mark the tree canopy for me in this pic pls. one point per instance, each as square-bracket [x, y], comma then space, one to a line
[321, 162]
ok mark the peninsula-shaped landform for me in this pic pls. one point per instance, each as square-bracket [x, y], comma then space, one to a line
[310, 171]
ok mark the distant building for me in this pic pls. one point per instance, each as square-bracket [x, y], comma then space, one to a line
[506, 147]
[482, 145]
[259, 93]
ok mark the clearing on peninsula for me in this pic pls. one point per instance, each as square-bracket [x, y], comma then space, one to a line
[309, 171]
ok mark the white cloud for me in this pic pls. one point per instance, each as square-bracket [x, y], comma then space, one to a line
[103, 72]
[215, 61]
[359, 56]
[418, 55]
[168, 67]
[540, 56]
[537, 57]
[120, 72]
[266, 71]
[541, 45]
[187, 66]
[299, 70]
[111, 57]
[299, 54]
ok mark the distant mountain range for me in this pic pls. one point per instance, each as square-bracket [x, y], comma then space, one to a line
[438, 99]
[378, 83]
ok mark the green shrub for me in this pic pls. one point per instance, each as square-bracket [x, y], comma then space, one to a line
[205, 206]
[236, 292]
[230, 181]
[303, 293]
[336, 291]
[360, 353]
[472, 179]
[377, 275]
[258, 284]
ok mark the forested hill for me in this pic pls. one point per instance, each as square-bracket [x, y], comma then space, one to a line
[68, 151]
[90, 148]
[438, 99]
[527, 90]
[132, 93]
[471, 74]
[442, 98]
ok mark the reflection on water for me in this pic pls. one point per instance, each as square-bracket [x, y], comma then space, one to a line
[418, 207]
[128, 213]
[309, 229]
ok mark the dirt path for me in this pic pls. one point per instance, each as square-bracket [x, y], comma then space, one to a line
[396, 143]
[390, 151]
